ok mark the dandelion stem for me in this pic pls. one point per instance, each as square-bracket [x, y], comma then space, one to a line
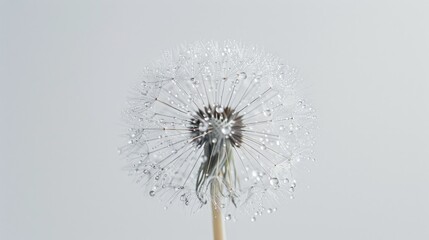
[218, 225]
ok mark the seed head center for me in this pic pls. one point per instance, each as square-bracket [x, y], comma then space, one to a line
[216, 124]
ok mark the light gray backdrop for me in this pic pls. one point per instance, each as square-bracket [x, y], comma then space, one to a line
[65, 72]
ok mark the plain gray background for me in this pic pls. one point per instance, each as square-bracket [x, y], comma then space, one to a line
[66, 69]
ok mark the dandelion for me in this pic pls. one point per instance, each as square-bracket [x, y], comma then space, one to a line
[221, 124]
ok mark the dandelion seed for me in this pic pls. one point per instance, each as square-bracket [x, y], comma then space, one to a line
[218, 122]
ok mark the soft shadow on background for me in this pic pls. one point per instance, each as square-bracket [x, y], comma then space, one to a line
[67, 67]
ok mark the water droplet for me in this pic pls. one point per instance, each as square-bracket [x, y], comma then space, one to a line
[182, 197]
[226, 130]
[165, 207]
[219, 109]
[292, 127]
[152, 193]
[253, 219]
[267, 112]
[194, 81]
[203, 126]
[274, 181]
[241, 76]
[228, 217]
[269, 210]
[119, 151]
[257, 78]
[214, 140]
[282, 128]
[263, 147]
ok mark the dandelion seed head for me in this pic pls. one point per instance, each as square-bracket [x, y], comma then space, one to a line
[218, 117]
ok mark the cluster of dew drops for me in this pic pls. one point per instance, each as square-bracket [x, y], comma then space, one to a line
[255, 176]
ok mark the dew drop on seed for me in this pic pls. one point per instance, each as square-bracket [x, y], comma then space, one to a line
[152, 193]
[241, 76]
[228, 217]
[194, 81]
[269, 210]
[182, 197]
[263, 147]
[282, 128]
[253, 219]
[203, 126]
[226, 130]
[214, 140]
[219, 109]
[274, 181]
[267, 112]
